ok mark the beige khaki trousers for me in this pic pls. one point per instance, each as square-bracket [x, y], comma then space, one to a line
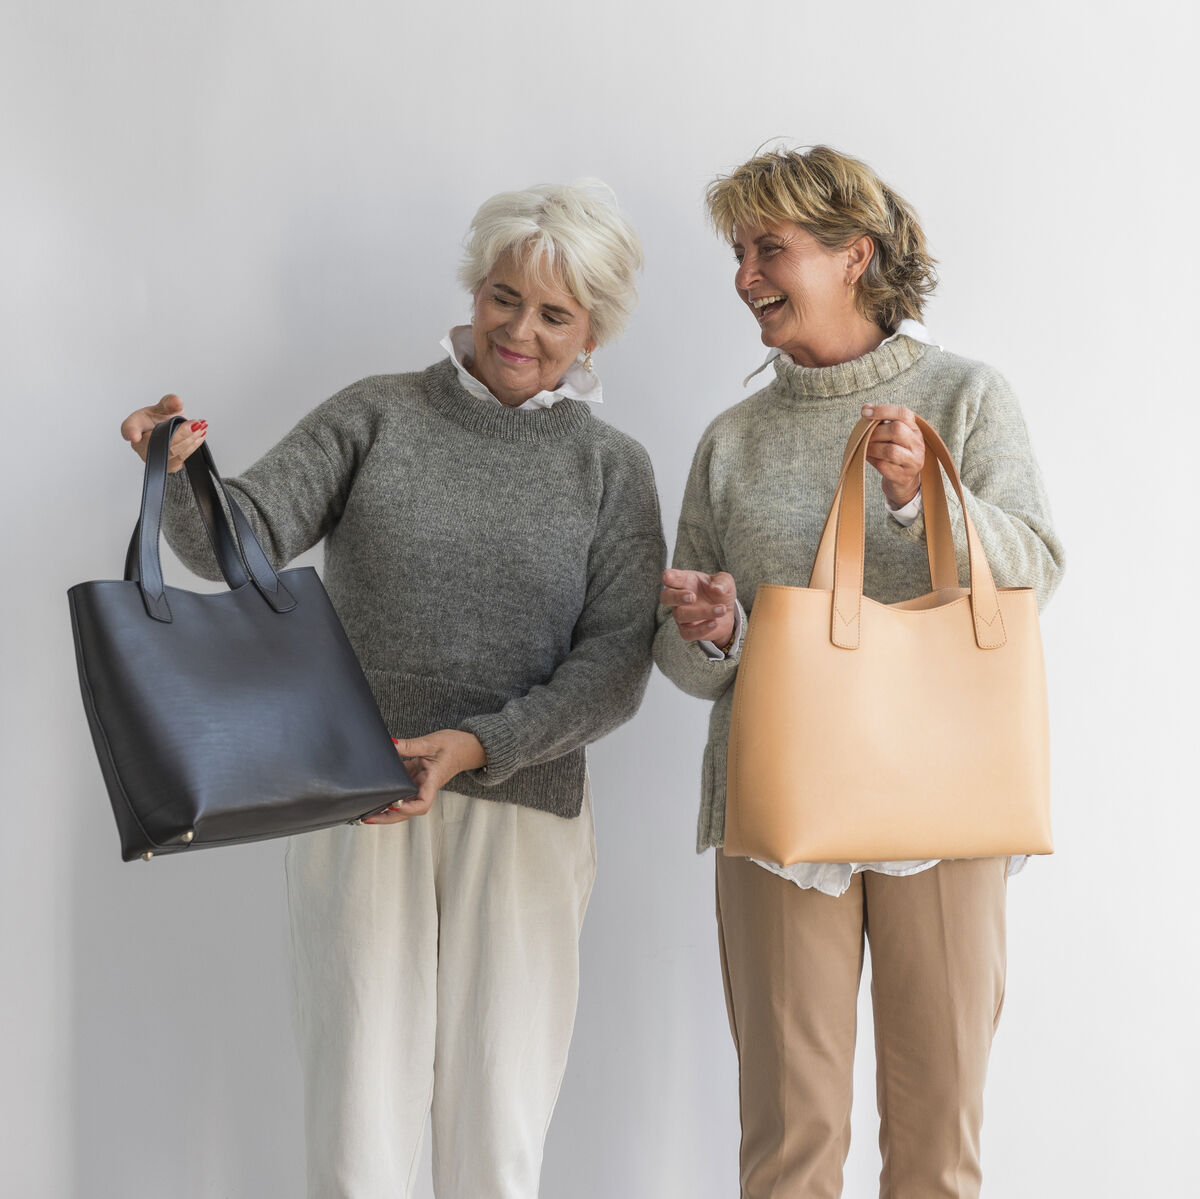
[792, 959]
[436, 966]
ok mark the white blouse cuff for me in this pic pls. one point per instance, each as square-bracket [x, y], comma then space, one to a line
[908, 513]
[714, 652]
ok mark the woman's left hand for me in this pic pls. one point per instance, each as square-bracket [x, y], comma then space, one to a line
[432, 762]
[897, 451]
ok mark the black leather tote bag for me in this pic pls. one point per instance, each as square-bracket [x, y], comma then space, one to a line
[229, 717]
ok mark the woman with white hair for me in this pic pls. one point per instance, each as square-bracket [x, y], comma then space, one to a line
[493, 550]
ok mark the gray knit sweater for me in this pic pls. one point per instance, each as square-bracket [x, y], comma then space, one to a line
[496, 570]
[763, 478]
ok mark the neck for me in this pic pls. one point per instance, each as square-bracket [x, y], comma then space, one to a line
[508, 402]
[836, 343]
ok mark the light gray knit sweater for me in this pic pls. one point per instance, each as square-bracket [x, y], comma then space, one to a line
[763, 478]
[496, 570]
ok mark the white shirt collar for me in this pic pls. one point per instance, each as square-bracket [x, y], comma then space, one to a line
[906, 328]
[576, 384]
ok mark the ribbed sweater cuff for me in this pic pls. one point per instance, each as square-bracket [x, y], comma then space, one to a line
[499, 741]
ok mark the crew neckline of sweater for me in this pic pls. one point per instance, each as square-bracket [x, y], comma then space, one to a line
[448, 396]
[877, 366]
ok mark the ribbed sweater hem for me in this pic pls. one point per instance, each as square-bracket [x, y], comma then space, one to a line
[415, 705]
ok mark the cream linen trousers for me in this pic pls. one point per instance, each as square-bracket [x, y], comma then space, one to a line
[436, 965]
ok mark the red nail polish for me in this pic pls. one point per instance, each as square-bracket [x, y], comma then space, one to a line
[196, 426]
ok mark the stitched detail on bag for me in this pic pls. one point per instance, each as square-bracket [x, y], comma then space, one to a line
[847, 619]
[1003, 631]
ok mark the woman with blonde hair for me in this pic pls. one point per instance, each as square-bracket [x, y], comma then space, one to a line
[832, 265]
[493, 550]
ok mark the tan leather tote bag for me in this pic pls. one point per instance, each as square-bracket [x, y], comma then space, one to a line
[815, 772]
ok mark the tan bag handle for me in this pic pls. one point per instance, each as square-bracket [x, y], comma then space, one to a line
[839, 562]
[939, 540]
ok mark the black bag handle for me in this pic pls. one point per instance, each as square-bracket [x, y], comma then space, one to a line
[239, 555]
[225, 548]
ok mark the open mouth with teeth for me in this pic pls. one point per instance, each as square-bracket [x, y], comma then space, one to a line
[765, 305]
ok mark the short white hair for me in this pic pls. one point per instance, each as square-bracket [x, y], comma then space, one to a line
[570, 233]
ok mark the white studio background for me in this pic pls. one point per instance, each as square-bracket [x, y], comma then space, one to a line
[253, 204]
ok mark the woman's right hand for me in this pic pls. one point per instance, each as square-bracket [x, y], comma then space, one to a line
[137, 427]
[703, 605]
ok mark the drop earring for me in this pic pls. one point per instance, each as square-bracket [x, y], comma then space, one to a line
[587, 362]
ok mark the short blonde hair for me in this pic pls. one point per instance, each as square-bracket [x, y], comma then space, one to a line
[568, 233]
[837, 199]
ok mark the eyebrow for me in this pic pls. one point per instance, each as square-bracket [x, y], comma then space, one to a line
[760, 237]
[517, 295]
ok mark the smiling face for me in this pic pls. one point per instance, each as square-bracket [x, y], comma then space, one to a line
[526, 333]
[800, 293]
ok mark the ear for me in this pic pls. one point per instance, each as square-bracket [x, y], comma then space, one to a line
[858, 257]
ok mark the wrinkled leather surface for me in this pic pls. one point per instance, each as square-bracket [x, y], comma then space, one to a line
[237, 716]
[816, 772]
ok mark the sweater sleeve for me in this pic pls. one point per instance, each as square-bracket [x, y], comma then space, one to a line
[696, 548]
[1005, 497]
[292, 496]
[600, 683]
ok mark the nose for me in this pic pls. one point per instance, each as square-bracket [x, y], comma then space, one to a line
[520, 324]
[746, 275]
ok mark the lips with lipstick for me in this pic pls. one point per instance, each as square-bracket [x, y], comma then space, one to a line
[510, 355]
[764, 306]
